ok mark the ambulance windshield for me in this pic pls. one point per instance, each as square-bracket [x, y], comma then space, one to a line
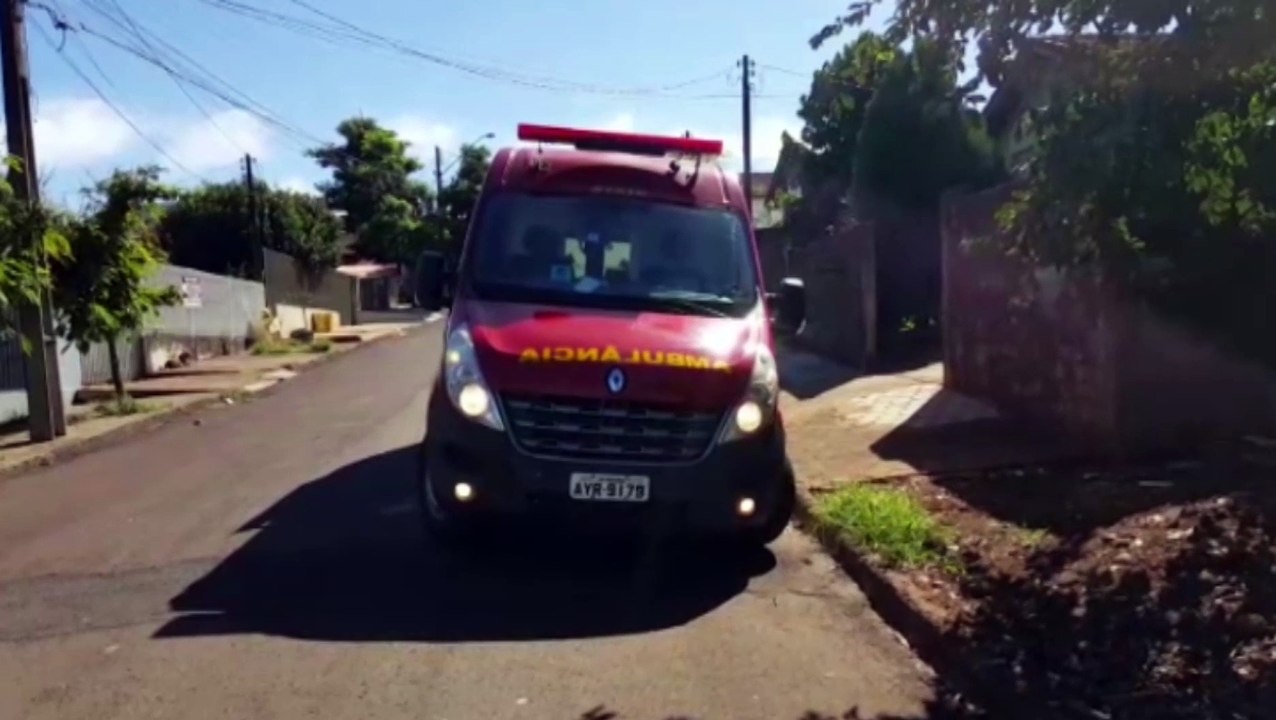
[597, 251]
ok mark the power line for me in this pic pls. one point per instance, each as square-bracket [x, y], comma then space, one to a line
[783, 71]
[265, 114]
[114, 108]
[345, 29]
[135, 28]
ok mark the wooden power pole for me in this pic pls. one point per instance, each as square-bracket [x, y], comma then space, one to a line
[746, 87]
[47, 418]
[254, 211]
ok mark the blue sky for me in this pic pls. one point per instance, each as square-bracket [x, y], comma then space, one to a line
[312, 84]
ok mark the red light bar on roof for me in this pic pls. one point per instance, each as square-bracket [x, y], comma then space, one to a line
[618, 141]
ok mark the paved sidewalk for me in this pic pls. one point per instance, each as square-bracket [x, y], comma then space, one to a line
[904, 423]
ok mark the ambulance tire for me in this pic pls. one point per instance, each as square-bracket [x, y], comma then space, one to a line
[447, 529]
[781, 513]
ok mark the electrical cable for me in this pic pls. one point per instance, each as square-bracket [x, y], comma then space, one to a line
[135, 28]
[342, 28]
[115, 108]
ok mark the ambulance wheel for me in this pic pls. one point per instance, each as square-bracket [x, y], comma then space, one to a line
[448, 528]
[781, 512]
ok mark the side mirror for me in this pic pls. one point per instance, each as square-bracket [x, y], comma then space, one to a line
[430, 277]
[791, 304]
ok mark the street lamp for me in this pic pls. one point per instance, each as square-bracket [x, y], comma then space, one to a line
[438, 159]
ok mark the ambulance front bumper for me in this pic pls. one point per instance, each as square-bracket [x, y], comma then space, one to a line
[703, 496]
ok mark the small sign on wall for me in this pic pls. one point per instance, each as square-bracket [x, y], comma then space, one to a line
[191, 293]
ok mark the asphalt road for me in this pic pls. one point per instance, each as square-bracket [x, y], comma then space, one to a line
[265, 561]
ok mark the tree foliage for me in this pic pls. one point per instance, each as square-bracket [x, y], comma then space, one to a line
[372, 182]
[882, 123]
[395, 232]
[101, 288]
[23, 272]
[457, 201]
[1156, 164]
[211, 228]
[833, 109]
[917, 138]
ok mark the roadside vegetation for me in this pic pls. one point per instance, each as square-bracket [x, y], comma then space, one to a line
[887, 523]
[277, 346]
[124, 407]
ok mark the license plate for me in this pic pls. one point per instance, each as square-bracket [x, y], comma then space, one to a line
[598, 487]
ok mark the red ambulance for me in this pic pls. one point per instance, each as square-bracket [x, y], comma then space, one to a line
[608, 355]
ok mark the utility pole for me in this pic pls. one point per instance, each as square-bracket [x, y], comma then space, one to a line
[44, 386]
[746, 87]
[254, 210]
[438, 174]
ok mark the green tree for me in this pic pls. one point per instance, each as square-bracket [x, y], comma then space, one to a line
[395, 233]
[210, 228]
[457, 201]
[370, 165]
[24, 273]
[833, 109]
[917, 139]
[302, 226]
[101, 289]
[1155, 166]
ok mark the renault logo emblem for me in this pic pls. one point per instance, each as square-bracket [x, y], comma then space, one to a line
[616, 380]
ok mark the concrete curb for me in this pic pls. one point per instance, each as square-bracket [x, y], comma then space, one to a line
[900, 613]
[158, 419]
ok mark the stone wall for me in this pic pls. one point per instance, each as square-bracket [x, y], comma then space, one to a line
[1072, 349]
[841, 297]
[288, 283]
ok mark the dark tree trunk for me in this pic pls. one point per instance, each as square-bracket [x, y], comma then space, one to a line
[117, 377]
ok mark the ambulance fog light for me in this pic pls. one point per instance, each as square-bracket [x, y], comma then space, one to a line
[746, 507]
[464, 492]
[748, 417]
[473, 400]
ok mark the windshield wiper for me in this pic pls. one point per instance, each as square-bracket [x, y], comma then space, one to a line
[695, 301]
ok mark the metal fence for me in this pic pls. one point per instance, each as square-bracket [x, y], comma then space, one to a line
[216, 315]
[13, 374]
[95, 365]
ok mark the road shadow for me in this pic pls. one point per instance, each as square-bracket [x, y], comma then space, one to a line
[943, 709]
[805, 374]
[343, 558]
[951, 432]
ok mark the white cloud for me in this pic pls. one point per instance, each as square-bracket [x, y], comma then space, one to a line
[622, 122]
[79, 132]
[298, 185]
[219, 141]
[423, 134]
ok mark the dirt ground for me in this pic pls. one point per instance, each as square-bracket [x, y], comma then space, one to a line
[1128, 592]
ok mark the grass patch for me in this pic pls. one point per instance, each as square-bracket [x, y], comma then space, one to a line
[274, 346]
[123, 407]
[887, 523]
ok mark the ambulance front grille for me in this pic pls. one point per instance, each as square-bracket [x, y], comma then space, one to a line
[608, 430]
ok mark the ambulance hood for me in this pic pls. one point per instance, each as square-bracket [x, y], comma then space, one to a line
[692, 362]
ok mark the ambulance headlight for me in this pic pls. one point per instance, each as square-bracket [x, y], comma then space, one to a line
[465, 385]
[757, 408]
